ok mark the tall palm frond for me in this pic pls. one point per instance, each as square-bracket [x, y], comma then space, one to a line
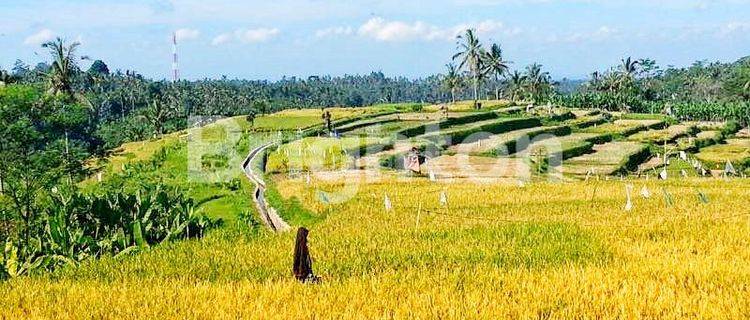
[470, 53]
[516, 84]
[629, 66]
[495, 65]
[63, 67]
[537, 80]
[452, 80]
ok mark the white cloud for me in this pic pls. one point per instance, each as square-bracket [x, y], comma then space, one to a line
[601, 34]
[734, 27]
[334, 31]
[256, 35]
[40, 37]
[383, 30]
[187, 34]
[246, 36]
[221, 39]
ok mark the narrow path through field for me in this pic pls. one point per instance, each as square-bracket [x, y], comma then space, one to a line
[267, 213]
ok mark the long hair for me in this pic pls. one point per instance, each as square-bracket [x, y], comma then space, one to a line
[302, 263]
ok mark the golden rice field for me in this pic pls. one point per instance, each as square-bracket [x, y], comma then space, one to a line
[544, 250]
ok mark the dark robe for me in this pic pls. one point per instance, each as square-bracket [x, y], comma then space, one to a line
[302, 262]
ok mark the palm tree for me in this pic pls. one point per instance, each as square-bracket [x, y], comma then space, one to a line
[470, 53]
[452, 81]
[495, 65]
[63, 66]
[537, 81]
[628, 70]
[516, 84]
[629, 67]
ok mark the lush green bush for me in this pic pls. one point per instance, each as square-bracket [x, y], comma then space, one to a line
[714, 111]
[74, 226]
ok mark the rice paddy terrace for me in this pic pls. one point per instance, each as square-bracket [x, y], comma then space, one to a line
[516, 212]
[521, 141]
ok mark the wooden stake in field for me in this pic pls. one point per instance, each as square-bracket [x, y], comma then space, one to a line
[302, 267]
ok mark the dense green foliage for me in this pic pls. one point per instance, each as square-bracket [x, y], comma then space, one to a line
[128, 107]
[48, 131]
[703, 91]
[72, 226]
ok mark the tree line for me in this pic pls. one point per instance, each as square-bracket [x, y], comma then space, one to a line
[702, 91]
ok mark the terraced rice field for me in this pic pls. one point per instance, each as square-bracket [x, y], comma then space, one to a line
[488, 239]
[293, 119]
[476, 130]
[386, 129]
[606, 147]
[479, 169]
[586, 121]
[608, 159]
[667, 135]
[618, 129]
[736, 150]
[508, 143]
[323, 153]
[572, 145]
[702, 139]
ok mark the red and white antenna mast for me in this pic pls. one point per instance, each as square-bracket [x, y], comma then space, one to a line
[175, 70]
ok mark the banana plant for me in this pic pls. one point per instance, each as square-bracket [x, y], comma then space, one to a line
[12, 265]
[66, 241]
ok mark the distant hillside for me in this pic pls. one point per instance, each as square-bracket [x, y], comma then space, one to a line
[566, 85]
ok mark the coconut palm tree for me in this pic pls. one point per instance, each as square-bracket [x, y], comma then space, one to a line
[516, 84]
[537, 81]
[452, 81]
[63, 66]
[470, 56]
[495, 65]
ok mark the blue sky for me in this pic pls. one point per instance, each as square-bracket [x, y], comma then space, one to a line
[271, 39]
